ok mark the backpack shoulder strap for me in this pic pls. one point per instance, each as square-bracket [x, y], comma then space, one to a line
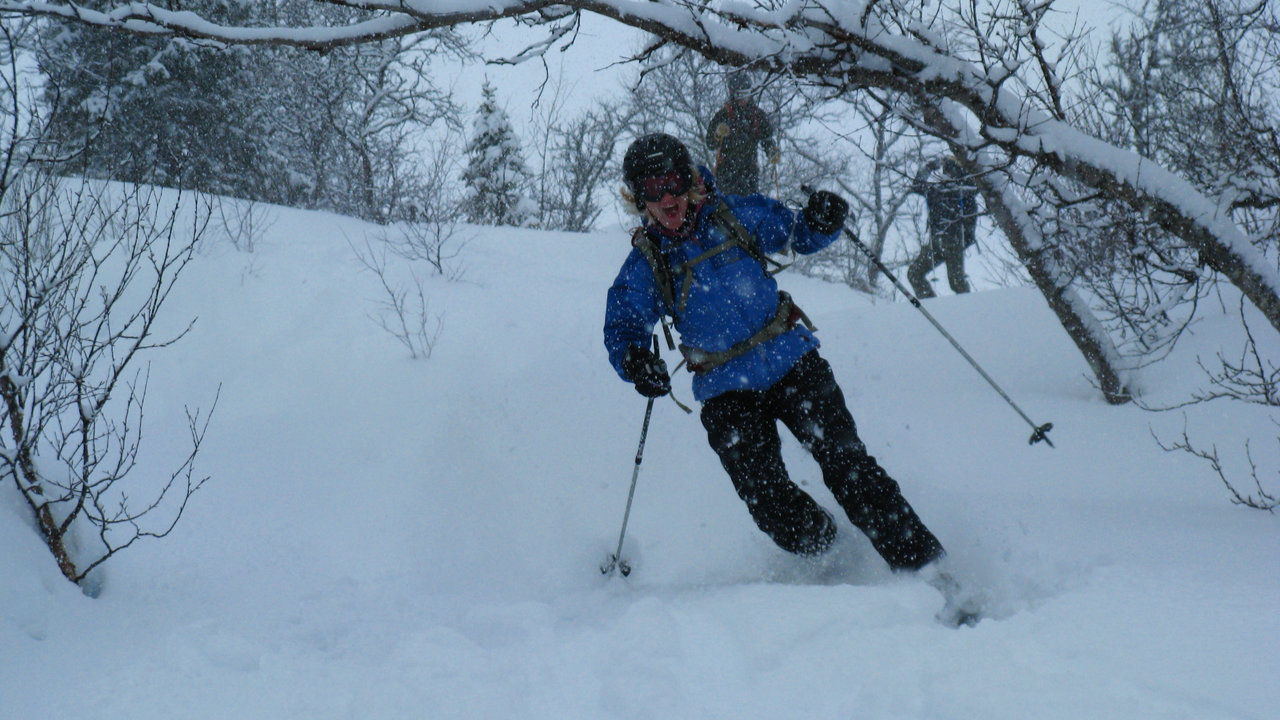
[662, 278]
[746, 240]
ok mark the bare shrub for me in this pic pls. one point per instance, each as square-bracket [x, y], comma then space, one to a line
[84, 272]
[242, 222]
[404, 312]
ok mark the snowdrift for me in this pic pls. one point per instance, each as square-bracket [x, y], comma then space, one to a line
[391, 538]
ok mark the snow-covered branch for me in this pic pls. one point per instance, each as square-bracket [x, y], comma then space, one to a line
[387, 20]
[990, 63]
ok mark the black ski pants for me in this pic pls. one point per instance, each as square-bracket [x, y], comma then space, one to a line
[946, 245]
[742, 427]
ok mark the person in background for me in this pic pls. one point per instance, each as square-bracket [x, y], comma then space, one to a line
[951, 200]
[735, 134]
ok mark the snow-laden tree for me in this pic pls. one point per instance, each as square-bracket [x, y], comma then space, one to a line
[981, 77]
[334, 131]
[496, 176]
[1194, 86]
[159, 110]
[352, 118]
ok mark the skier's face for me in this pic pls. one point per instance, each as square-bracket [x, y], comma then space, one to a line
[669, 210]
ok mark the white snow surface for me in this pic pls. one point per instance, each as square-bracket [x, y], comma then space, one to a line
[390, 538]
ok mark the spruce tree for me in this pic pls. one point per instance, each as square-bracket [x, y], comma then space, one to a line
[496, 175]
[159, 110]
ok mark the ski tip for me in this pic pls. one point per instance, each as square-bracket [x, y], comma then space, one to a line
[956, 618]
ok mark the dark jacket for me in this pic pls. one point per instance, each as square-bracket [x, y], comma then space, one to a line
[737, 168]
[952, 203]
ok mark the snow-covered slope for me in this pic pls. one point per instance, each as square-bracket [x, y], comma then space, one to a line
[389, 538]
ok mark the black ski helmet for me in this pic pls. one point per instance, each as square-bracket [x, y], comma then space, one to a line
[654, 155]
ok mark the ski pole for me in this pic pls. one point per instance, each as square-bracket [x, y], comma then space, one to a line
[777, 173]
[1039, 432]
[615, 560]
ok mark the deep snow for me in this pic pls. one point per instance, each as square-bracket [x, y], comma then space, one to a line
[389, 538]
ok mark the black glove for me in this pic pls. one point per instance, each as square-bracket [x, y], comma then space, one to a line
[825, 212]
[647, 370]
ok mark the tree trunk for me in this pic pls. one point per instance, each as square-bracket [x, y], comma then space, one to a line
[1089, 336]
[1074, 314]
[28, 482]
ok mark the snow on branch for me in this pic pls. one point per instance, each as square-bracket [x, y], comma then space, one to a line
[840, 45]
[386, 20]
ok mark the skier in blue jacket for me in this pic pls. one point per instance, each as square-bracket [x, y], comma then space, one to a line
[699, 258]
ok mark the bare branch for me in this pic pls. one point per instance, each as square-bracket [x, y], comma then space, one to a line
[1262, 500]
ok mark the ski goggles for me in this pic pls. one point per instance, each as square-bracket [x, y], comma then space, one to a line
[675, 182]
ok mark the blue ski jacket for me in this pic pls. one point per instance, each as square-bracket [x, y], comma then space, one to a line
[731, 296]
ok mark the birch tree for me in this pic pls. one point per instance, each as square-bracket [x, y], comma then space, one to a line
[85, 269]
